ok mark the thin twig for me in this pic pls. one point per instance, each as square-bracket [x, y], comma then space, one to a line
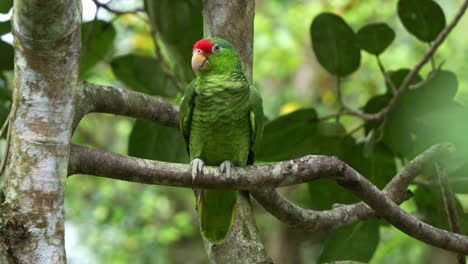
[449, 203]
[354, 130]
[89, 35]
[114, 11]
[387, 78]
[7, 141]
[429, 78]
[433, 64]
[5, 124]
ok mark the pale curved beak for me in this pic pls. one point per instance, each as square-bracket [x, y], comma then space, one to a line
[200, 62]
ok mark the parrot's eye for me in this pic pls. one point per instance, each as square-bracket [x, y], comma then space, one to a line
[216, 48]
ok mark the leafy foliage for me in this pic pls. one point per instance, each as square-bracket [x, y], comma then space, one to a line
[143, 74]
[172, 19]
[5, 27]
[157, 142]
[97, 39]
[5, 6]
[6, 56]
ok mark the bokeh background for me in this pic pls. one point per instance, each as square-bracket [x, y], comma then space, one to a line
[110, 221]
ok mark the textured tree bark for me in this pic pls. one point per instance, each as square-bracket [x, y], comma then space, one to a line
[47, 44]
[233, 21]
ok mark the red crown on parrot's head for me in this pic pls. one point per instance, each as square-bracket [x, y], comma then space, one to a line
[204, 45]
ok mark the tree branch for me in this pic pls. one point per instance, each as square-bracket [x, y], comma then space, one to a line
[106, 99]
[305, 169]
[110, 165]
[344, 215]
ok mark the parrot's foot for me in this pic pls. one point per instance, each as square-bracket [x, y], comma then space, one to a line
[226, 167]
[197, 167]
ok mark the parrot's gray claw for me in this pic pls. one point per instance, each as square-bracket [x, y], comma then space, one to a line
[226, 167]
[197, 167]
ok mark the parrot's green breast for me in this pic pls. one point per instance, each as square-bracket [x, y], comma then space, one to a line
[221, 127]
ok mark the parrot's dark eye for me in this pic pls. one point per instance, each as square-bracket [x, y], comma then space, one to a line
[216, 48]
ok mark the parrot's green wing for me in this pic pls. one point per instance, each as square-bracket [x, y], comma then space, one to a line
[186, 109]
[256, 122]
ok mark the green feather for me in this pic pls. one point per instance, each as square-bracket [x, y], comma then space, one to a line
[221, 118]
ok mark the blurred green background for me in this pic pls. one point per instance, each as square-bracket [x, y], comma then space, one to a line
[110, 221]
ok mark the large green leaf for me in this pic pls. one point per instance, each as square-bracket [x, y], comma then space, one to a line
[5, 27]
[6, 56]
[180, 24]
[157, 142]
[375, 38]
[356, 242]
[284, 137]
[5, 6]
[335, 45]
[443, 86]
[143, 74]
[422, 18]
[97, 39]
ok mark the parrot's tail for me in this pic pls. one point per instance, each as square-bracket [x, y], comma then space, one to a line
[216, 211]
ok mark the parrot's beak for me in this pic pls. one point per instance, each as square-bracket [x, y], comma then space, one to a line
[200, 62]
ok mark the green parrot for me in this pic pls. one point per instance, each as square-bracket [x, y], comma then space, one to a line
[221, 119]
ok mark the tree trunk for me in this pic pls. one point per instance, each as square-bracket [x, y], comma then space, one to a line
[233, 21]
[47, 45]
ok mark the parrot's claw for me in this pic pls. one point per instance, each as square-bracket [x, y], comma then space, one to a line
[226, 167]
[197, 167]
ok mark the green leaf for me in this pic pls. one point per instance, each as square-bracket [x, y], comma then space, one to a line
[6, 56]
[5, 6]
[180, 24]
[431, 208]
[356, 242]
[97, 39]
[443, 86]
[291, 130]
[143, 74]
[375, 38]
[5, 27]
[422, 18]
[335, 45]
[153, 141]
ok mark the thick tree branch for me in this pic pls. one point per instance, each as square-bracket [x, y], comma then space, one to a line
[110, 165]
[344, 215]
[308, 168]
[405, 85]
[106, 99]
